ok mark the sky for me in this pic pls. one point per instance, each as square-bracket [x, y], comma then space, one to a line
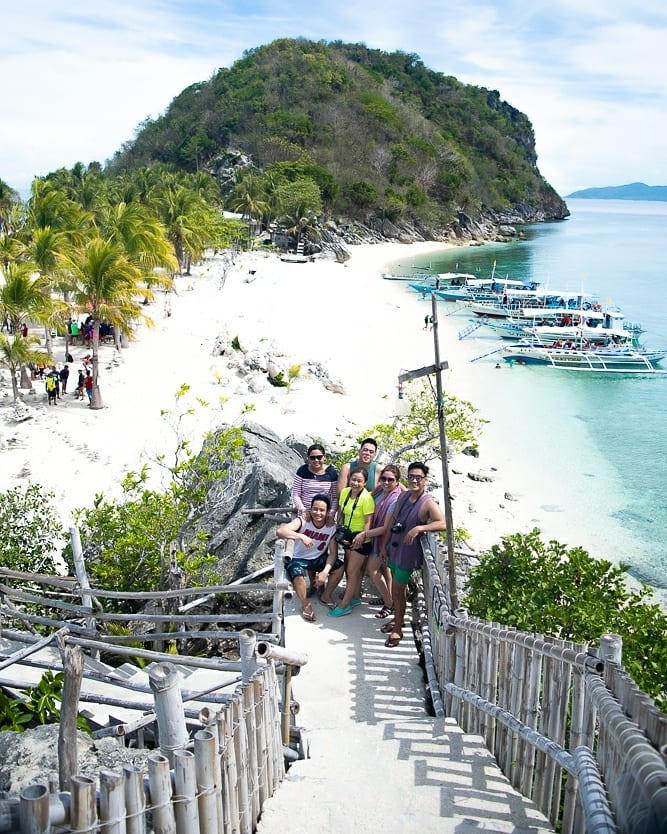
[79, 77]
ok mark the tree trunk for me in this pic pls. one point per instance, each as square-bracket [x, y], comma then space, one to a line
[96, 400]
[116, 337]
[15, 388]
[48, 341]
[25, 378]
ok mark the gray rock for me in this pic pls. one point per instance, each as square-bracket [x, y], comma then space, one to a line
[31, 756]
[275, 369]
[510, 497]
[481, 477]
[471, 451]
[298, 444]
[262, 477]
[21, 412]
[256, 383]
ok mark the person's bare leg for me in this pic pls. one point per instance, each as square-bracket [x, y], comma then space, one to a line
[398, 593]
[332, 583]
[299, 585]
[374, 570]
[355, 563]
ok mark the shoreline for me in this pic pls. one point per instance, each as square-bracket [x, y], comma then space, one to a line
[362, 329]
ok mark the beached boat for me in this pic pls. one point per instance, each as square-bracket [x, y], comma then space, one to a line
[294, 259]
[586, 358]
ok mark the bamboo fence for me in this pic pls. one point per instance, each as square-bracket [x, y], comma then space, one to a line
[220, 785]
[567, 725]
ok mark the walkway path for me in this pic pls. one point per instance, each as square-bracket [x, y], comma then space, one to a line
[378, 762]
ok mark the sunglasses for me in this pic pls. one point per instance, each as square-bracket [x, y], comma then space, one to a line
[416, 478]
[315, 457]
[387, 480]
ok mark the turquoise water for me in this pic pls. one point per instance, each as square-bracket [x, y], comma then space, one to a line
[598, 444]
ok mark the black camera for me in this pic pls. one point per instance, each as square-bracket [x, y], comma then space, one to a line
[398, 527]
[343, 534]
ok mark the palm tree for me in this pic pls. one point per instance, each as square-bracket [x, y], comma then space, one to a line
[8, 198]
[250, 199]
[24, 295]
[299, 224]
[15, 353]
[188, 221]
[106, 286]
[44, 250]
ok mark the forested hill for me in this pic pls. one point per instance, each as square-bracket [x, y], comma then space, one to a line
[632, 191]
[382, 135]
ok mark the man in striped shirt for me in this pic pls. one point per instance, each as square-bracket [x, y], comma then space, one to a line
[313, 478]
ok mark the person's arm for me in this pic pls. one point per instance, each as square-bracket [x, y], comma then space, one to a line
[291, 531]
[322, 577]
[434, 518]
[342, 478]
[295, 494]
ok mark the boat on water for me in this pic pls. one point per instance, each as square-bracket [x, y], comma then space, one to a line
[599, 327]
[528, 305]
[583, 357]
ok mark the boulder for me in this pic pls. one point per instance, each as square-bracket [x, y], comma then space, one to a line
[471, 451]
[32, 756]
[298, 444]
[481, 477]
[261, 477]
[256, 383]
[21, 412]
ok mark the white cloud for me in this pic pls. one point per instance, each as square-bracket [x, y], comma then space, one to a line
[590, 76]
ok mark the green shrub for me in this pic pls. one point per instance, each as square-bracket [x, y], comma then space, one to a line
[362, 193]
[548, 588]
[29, 529]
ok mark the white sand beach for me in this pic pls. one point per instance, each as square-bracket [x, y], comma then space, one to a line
[363, 330]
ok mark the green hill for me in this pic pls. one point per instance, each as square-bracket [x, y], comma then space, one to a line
[632, 191]
[382, 135]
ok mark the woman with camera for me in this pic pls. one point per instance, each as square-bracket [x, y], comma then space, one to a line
[385, 498]
[355, 512]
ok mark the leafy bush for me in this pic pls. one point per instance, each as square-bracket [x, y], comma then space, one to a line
[29, 529]
[362, 193]
[38, 706]
[566, 593]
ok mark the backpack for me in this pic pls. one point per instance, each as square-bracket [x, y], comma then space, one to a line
[50, 383]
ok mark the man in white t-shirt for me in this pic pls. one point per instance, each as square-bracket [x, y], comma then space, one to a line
[315, 554]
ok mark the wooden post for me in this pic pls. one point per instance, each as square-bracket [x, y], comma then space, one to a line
[82, 577]
[253, 770]
[247, 643]
[159, 781]
[69, 711]
[268, 728]
[287, 697]
[173, 734]
[83, 810]
[278, 596]
[451, 556]
[205, 751]
[185, 793]
[112, 803]
[225, 792]
[231, 769]
[34, 810]
[262, 752]
[241, 745]
[135, 799]
[611, 648]
[532, 699]
[218, 772]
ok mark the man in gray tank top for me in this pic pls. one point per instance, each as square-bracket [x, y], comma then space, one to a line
[414, 513]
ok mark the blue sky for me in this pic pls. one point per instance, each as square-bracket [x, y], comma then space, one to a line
[592, 76]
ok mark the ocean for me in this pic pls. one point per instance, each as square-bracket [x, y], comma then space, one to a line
[594, 447]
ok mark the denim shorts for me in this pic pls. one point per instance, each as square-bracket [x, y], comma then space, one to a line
[300, 567]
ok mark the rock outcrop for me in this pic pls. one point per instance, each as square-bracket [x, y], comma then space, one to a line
[261, 477]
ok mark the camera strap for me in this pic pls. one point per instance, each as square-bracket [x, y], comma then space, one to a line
[354, 506]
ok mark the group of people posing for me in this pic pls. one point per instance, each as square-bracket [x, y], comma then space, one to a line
[373, 517]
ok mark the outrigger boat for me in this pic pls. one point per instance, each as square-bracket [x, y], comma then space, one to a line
[527, 305]
[586, 358]
[600, 327]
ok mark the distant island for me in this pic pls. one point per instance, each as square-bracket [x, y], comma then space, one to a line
[632, 191]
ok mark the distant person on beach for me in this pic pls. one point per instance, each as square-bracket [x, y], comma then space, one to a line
[64, 376]
[315, 554]
[88, 385]
[313, 478]
[414, 513]
[355, 514]
[80, 386]
[24, 331]
[365, 460]
[50, 385]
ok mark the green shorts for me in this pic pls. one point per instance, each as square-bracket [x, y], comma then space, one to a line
[401, 575]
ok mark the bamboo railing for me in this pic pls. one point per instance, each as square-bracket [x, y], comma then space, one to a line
[217, 781]
[567, 726]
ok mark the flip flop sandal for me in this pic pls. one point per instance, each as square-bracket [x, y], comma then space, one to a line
[384, 612]
[387, 628]
[308, 615]
[329, 605]
[393, 640]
